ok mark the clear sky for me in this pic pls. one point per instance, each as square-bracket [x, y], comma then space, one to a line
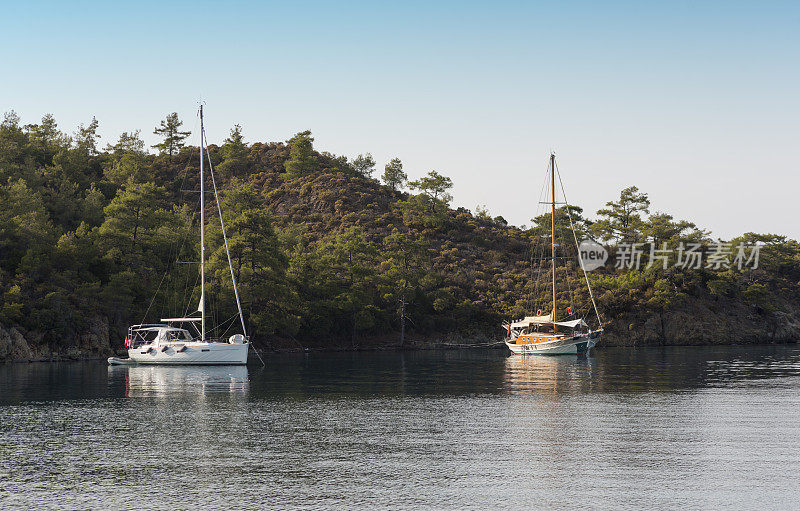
[696, 103]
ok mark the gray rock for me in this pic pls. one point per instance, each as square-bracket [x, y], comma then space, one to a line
[13, 345]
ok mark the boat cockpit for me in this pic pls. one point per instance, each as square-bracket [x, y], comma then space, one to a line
[139, 335]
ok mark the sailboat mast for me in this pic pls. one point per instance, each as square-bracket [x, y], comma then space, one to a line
[553, 228]
[202, 237]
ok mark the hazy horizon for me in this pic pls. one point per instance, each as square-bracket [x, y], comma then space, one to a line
[695, 105]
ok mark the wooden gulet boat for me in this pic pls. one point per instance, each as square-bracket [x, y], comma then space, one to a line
[544, 334]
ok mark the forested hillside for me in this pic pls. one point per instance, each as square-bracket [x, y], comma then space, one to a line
[330, 252]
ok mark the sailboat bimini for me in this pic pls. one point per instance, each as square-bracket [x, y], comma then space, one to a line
[169, 342]
[543, 334]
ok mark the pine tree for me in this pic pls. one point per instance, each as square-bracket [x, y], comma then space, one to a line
[353, 258]
[127, 160]
[364, 165]
[393, 174]
[45, 139]
[257, 257]
[408, 258]
[86, 137]
[137, 221]
[302, 160]
[622, 219]
[435, 187]
[173, 137]
[662, 227]
[234, 154]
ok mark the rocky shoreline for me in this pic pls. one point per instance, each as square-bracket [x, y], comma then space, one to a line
[20, 345]
[700, 325]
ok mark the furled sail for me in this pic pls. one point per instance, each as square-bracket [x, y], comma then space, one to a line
[533, 320]
[572, 324]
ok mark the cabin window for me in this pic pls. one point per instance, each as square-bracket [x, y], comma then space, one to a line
[144, 336]
[178, 335]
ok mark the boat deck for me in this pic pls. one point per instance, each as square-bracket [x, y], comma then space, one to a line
[537, 337]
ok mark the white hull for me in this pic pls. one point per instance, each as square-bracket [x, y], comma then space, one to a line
[190, 353]
[569, 346]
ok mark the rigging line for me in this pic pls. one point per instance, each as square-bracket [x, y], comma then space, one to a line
[187, 294]
[566, 278]
[566, 258]
[222, 323]
[544, 243]
[227, 323]
[180, 242]
[154, 296]
[178, 245]
[188, 274]
[225, 239]
[189, 302]
[185, 174]
[187, 279]
[575, 236]
[538, 249]
[230, 322]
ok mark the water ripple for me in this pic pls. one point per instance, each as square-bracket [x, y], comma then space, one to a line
[672, 428]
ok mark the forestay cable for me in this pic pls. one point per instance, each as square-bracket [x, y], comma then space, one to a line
[577, 247]
[227, 250]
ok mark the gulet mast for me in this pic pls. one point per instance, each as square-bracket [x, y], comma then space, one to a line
[553, 229]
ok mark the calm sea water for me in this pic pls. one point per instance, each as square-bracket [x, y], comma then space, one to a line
[673, 428]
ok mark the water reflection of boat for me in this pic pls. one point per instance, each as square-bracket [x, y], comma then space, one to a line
[168, 380]
[547, 375]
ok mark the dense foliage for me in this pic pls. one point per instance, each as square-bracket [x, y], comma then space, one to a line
[324, 253]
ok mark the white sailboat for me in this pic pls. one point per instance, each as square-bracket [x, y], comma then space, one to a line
[543, 334]
[169, 342]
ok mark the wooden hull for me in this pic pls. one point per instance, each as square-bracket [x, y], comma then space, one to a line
[569, 346]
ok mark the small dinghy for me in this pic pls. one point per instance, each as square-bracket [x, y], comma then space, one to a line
[116, 361]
